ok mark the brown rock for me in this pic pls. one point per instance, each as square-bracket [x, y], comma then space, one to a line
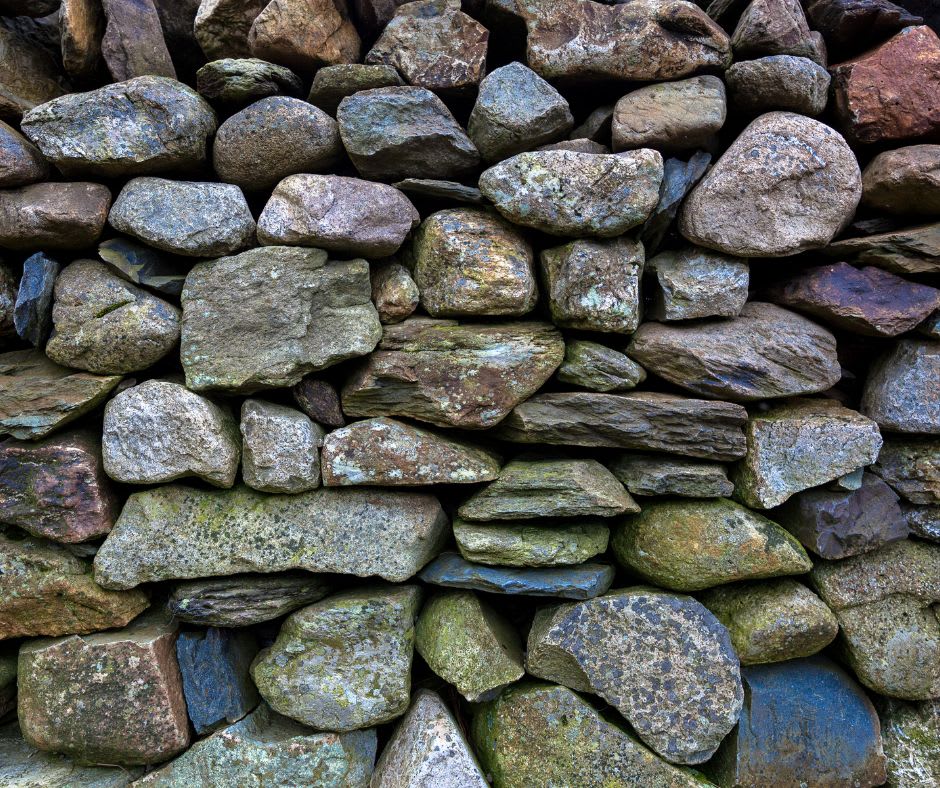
[320, 401]
[857, 24]
[53, 215]
[82, 23]
[394, 292]
[912, 251]
[221, 26]
[21, 162]
[28, 74]
[133, 42]
[776, 27]
[904, 181]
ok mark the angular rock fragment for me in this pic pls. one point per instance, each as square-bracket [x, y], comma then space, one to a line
[133, 43]
[394, 292]
[81, 24]
[902, 392]
[923, 521]
[644, 474]
[694, 283]
[436, 189]
[910, 733]
[142, 265]
[239, 81]
[779, 82]
[776, 27]
[331, 84]
[912, 468]
[21, 163]
[319, 400]
[280, 448]
[221, 26]
[511, 544]
[53, 215]
[599, 368]
[32, 311]
[912, 251]
[678, 179]
[28, 74]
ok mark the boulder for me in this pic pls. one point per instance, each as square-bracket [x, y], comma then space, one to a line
[645, 474]
[912, 468]
[221, 27]
[53, 215]
[599, 368]
[32, 310]
[776, 27]
[779, 82]
[240, 81]
[904, 181]
[133, 44]
[527, 545]
[280, 448]
[902, 392]
[693, 283]
[394, 292]
[331, 84]
[21, 163]
[911, 251]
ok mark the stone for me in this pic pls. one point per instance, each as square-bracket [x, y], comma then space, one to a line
[787, 184]
[133, 43]
[239, 81]
[142, 126]
[577, 146]
[177, 20]
[384, 451]
[912, 251]
[296, 313]
[693, 283]
[853, 25]
[319, 400]
[343, 663]
[904, 181]
[221, 27]
[34, 8]
[331, 84]
[912, 468]
[598, 368]
[644, 420]
[435, 189]
[662, 660]
[21, 163]
[923, 521]
[906, 66]
[273, 138]
[911, 739]
[516, 110]
[644, 474]
[266, 745]
[7, 692]
[159, 431]
[243, 600]
[556, 191]
[678, 179]
[403, 132]
[214, 666]
[280, 448]
[583, 581]
[112, 697]
[29, 75]
[803, 722]
[142, 265]
[8, 291]
[468, 644]
[641, 41]
[53, 215]
[433, 45]
[48, 591]
[902, 392]
[162, 534]
[38, 397]
[779, 82]
[931, 326]
[468, 262]
[511, 544]
[394, 292]
[670, 115]
[345, 215]
[800, 444]
[776, 27]
[596, 126]
[866, 301]
[468, 376]
[32, 311]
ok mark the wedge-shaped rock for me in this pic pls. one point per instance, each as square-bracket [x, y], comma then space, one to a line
[693, 283]
[468, 376]
[389, 452]
[511, 544]
[292, 312]
[221, 26]
[28, 72]
[280, 448]
[915, 250]
[32, 299]
[776, 27]
[902, 392]
[912, 468]
[644, 474]
[164, 534]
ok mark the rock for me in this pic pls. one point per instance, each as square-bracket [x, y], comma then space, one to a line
[21, 163]
[403, 132]
[331, 84]
[162, 535]
[38, 397]
[642, 420]
[469, 262]
[240, 81]
[434, 189]
[345, 215]
[516, 110]
[297, 313]
[906, 67]
[776, 27]
[599, 368]
[913, 251]
[280, 448]
[388, 452]
[214, 665]
[8, 290]
[509, 544]
[319, 400]
[583, 581]
[343, 663]
[848, 481]
[32, 311]
[433, 45]
[923, 521]
[142, 126]
[904, 181]
[394, 292]
[839, 524]
[641, 41]
[806, 722]
[854, 25]
[670, 115]
[221, 27]
[577, 146]
[48, 591]
[468, 644]
[28, 75]
[556, 191]
[53, 215]
[801, 444]
[678, 179]
[7, 696]
[662, 660]
[142, 265]
[787, 184]
[468, 376]
[911, 739]
[133, 43]
[28, 7]
[113, 697]
[596, 126]
[866, 301]
[177, 19]
[159, 431]
[56, 487]
[912, 468]
[643, 474]
[273, 138]
[779, 82]
[902, 392]
[693, 283]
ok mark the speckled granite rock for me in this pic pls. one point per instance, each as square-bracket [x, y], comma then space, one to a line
[695, 283]
[511, 544]
[912, 468]
[904, 181]
[280, 448]
[644, 474]
[911, 736]
[902, 392]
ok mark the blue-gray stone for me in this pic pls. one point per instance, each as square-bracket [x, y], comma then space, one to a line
[583, 581]
[678, 179]
[32, 313]
[216, 682]
[143, 265]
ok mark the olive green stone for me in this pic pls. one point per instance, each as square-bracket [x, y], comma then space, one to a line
[910, 733]
[599, 368]
[508, 544]
[658, 474]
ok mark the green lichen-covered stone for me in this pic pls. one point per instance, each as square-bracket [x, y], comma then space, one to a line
[509, 544]
[468, 644]
[599, 368]
[910, 733]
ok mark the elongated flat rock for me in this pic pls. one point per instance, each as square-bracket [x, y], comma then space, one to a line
[644, 474]
[542, 544]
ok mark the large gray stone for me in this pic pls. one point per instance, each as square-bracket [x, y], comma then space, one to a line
[694, 283]
[779, 82]
[912, 468]
[280, 448]
[902, 392]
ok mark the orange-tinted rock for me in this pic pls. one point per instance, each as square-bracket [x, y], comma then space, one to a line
[53, 215]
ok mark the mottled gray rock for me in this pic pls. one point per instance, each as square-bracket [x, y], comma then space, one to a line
[902, 392]
[142, 265]
[32, 310]
[779, 82]
[53, 215]
[693, 283]
[280, 448]
[911, 736]
[331, 84]
[21, 163]
[577, 145]
[644, 474]
[678, 179]
[776, 27]
[133, 44]
[511, 544]
[221, 26]
[239, 81]
[394, 291]
[8, 291]
[598, 368]
[912, 468]
[904, 181]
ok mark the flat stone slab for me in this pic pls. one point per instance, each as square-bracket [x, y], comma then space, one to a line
[644, 474]
[529, 544]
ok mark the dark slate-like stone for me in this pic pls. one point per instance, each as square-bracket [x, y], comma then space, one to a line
[32, 314]
[849, 26]
[678, 179]
[320, 401]
[143, 265]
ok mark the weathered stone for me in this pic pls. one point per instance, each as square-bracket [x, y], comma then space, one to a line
[32, 311]
[468, 376]
[8, 291]
[577, 146]
[403, 132]
[904, 181]
[803, 722]
[644, 474]
[912, 468]
[319, 400]
[394, 292]
[911, 736]
[435, 189]
[28, 74]
[801, 444]
[162, 534]
[331, 84]
[240, 81]
[294, 313]
[21, 163]
[142, 126]
[37, 396]
[53, 215]
[133, 43]
[902, 392]
[556, 191]
[848, 481]
[779, 82]
[912, 251]
[678, 179]
[177, 18]
[273, 138]
[694, 283]
[142, 265]
[857, 24]
[221, 26]
[596, 126]
[159, 431]
[339, 214]
[280, 448]
[662, 660]
[510, 544]
[599, 368]
[343, 663]
[923, 521]
[776, 27]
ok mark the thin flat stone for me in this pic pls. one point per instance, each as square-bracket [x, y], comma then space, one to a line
[644, 474]
[915, 250]
[546, 544]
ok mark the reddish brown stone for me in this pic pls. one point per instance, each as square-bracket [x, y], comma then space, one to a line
[20, 161]
[320, 401]
[133, 42]
[892, 92]
[53, 215]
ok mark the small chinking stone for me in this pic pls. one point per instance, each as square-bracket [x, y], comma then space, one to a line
[280, 448]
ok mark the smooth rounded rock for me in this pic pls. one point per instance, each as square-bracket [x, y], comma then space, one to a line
[53, 215]
[904, 181]
[331, 84]
[779, 82]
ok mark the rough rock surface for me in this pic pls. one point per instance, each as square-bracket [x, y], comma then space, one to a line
[644, 474]
[331, 84]
[142, 265]
[599, 368]
[32, 309]
[21, 163]
[912, 468]
[238, 81]
[904, 181]
[694, 283]
[909, 251]
[53, 215]
[319, 400]
[776, 27]
[280, 448]
[221, 26]
[779, 82]
[394, 292]
[28, 74]
[133, 44]
[910, 733]
[527, 545]
[902, 392]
